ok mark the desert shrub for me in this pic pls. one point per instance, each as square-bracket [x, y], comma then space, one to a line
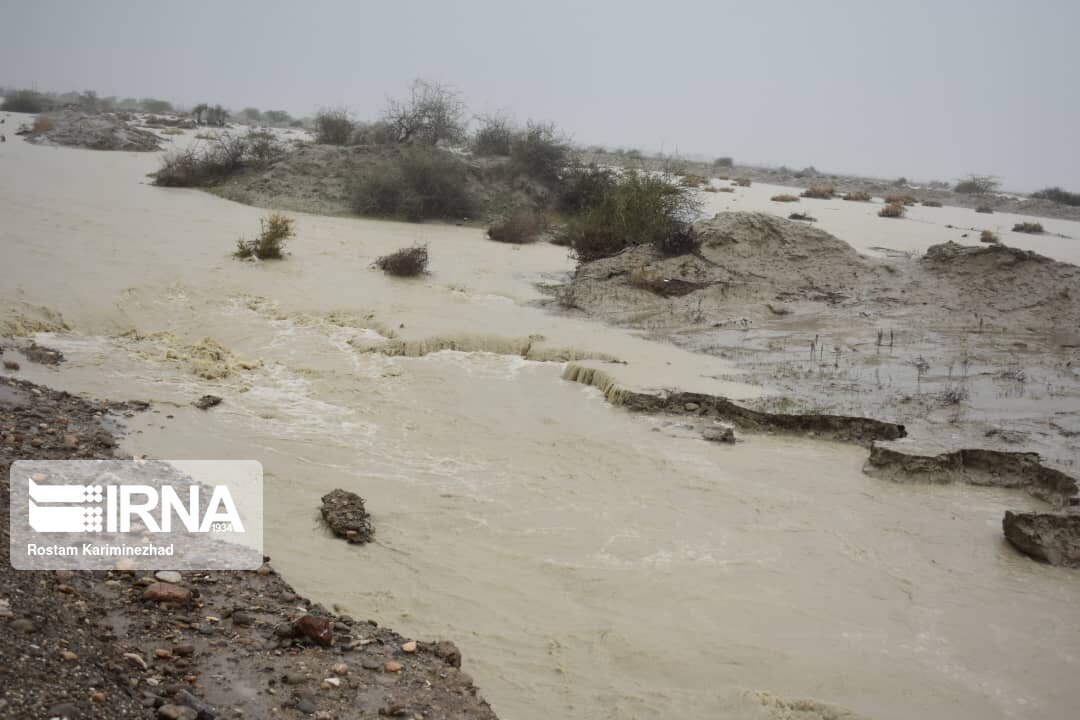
[494, 136]
[639, 208]
[153, 105]
[222, 156]
[742, 182]
[1028, 227]
[373, 133]
[520, 226]
[954, 394]
[420, 184]
[25, 101]
[985, 209]
[407, 262]
[801, 216]
[41, 126]
[693, 181]
[262, 147]
[275, 231]
[988, 236]
[977, 185]
[723, 162]
[858, 196]
[901, 198]
[784, 198]
[819, 192]
[725, 189]
[217, 116]
[539, 152]
[431, 114]
[931, 203]
[1056, 194]
[582, 187]
[682, 240]
[276, 117]
[333, 126]
[251, 114]
[892, 210]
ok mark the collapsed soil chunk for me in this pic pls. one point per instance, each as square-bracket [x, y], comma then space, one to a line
[1052, 538]
[207, 401]
[344, 512]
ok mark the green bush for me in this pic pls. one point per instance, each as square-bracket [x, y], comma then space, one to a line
[494, 137]
[275, 231]
[539, 152]
[373, 133]
[422, 183]
[723, 162]
[977, 185]
[1056, 194]
[26, 101]
[520, 226]
[223, 156]
[639, 208]
[582, 188]
[333, 126]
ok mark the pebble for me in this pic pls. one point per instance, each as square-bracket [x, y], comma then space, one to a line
[340, 669]
[306, 706]
[169, 576]
[393, 666]
[99, 697]
[691, 407]
[315, 628]
[24, 626]
[63, 711]
[184, 650]
[166, 592]
[125, 565]
[330, 682]
[370, 664]
[243, 618]
[409, 647]
[163, 653]
[177, 712]
[135, 659]
[69, 656]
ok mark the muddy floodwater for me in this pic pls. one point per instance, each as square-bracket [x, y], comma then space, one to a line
[590, 562]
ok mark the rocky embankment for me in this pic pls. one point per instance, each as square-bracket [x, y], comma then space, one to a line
[1052, 538]
[191, 646]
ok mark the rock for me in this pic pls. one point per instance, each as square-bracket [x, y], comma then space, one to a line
[136, 659]
[63, 711]
[169, 576]
[264, 570]
[330, 682]
[370, 664]
[183, 650]
[449, 653]
[125, 565]
[344, 512]
[69, 656]
[207, 401]
[203, 710]
[315, 628]
[24, 626]
[166, 592]
[306, 706]
[392, 666]
[11, 365]
[691, 407]
[243, 619]
[177, 712]
[163, 653]
[723, 433]
[409, 647]
[293, 678]
[340, 669]
[99, 697]
[1052, 538]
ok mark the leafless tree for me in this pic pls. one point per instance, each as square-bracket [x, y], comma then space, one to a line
[432, 113]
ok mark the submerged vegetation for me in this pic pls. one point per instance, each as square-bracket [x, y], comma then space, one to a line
[407, 262]
[1033, 228]
[275, 231]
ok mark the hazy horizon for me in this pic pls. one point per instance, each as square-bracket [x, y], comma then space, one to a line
[925, 91]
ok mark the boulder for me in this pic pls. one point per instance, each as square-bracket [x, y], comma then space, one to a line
[1052, 538]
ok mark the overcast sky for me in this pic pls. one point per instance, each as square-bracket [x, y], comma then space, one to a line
[916, 88]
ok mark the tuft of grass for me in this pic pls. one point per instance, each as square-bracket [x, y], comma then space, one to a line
[407, 262]
[819, 192]
[742, 182]
[422, 183]
[931, 203]
[1028, 227]
[988, 236]
[801, 216]
[784, 198]
[275, 231]
[521, 226]
[985, 209]
[954, 394]
[892, 210]
[858, 196]
[901, 198]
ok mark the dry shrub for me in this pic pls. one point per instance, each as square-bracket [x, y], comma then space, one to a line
[742, 182]
[784, 198]
[988, 236]
[664, 287]
[407, 262]
[985, 209]
[819, 192]
[1058, 195]
[1026, 227]
[693, 181]
[858, 196]
[276, 229]
[801, 216]
[725, 189]
[901, 198]
[892, 210]
[931, 203]
[710, 188]
[41, 126]
[521, 226]
[682, 241]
